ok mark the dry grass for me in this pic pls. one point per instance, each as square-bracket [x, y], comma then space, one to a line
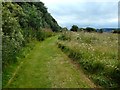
[98, 55]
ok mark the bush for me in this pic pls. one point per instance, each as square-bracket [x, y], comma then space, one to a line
[116, 31]
[10, 48]
[63, 37]
[100, 31]
[74, 28]
[21, 23]
[89, 29]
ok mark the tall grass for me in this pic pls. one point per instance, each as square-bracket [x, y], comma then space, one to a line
[96, 53]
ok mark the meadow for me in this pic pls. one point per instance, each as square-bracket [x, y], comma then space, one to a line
[96, 53]
[38, 53]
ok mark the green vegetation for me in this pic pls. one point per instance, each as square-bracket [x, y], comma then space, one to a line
[47, 68]
[96, 53]
[100, 31]
[89, 29]
[31, 58]
[74, 28]
[116, 31]
[23, 22]
[12, 67]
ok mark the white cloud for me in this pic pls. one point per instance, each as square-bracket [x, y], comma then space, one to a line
[75, 1]
[98, 13]
[113, 20]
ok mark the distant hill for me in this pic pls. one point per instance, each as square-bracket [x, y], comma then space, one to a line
[108, 29]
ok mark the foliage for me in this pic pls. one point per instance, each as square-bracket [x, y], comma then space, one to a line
[37, 66]
[9, 70]
[12, 34]
[21, 23]
[74, 28]
[100, 31]
[89, 29]
[116, 31]
[64, 29]
[63, 37]
[81, 29]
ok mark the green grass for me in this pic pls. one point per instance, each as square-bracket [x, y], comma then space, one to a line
[47, 67]
[10, 69]
[96, 53]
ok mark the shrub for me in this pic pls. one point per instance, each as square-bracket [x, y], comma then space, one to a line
[21, 23]
[74, 28]
[100, 31]
[63, 37]
[116, 31]
[89, 29]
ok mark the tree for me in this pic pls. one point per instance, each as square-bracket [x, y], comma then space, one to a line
[81, 29]
[21, 23]
[116, 31]
[100, 31]
[89, 29]
[74, 28]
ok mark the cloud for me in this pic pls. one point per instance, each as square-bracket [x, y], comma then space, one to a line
[83, 13]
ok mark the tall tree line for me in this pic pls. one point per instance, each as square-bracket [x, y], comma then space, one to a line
[22, 22]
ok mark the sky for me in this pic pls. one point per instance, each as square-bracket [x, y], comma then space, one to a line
[95, 13]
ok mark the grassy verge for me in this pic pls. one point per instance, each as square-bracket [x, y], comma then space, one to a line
[9, 70]
[96, 53]
[47, 67]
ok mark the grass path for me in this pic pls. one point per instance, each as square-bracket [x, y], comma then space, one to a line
[48, 67]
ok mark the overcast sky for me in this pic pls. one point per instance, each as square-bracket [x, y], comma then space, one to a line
[95, 13]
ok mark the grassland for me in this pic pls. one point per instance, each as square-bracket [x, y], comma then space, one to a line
[46, 67]
[97, 53]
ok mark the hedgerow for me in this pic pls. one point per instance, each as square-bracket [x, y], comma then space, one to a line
[23, 22]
